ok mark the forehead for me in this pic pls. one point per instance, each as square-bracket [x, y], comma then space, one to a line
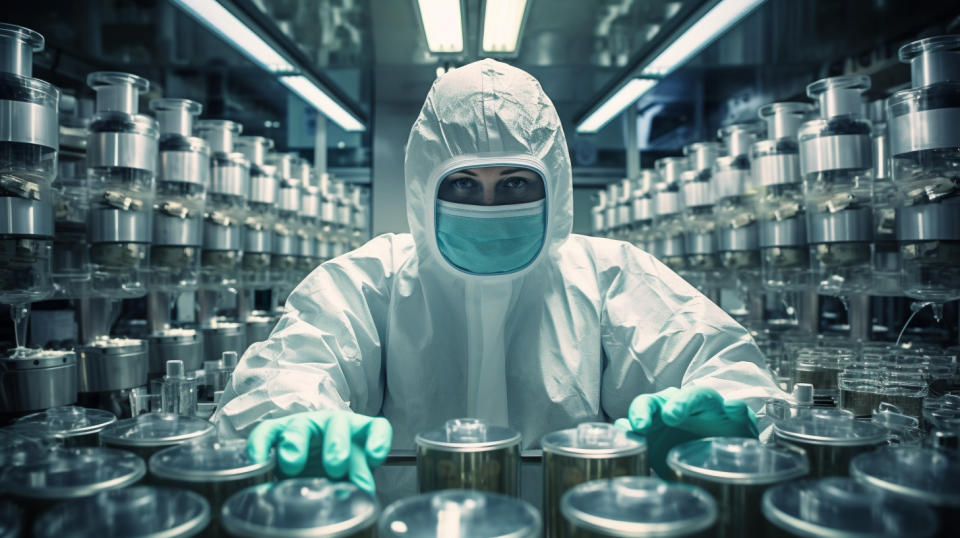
[495, 172]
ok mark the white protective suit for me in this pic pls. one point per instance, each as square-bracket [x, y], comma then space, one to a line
[393, 329]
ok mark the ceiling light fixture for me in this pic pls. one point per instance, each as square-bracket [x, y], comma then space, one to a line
[442, 24]
[502, 25]
[617, 103]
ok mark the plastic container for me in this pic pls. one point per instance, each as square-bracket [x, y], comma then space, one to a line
[736, 472]
[668, 217]
[71, 426]
[301, 507]
[469, 454]
[591, 451]
[457, 512]
[830, 438]
[149, 433]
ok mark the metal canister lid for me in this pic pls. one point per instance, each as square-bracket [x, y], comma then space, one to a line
[70, 421]
[118, 346]
[468, 435]
[631, 506]
[155, 429]
[28, 359]
[924, 474]
[299, 507]
[833, 427]
[208, 460]
[594, 440]
[143, 511]
[173, 336]
[735, 460]
[70, 473]
[840, 507]
[457, 512]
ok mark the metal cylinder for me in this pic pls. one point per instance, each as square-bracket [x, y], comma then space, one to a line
[469, 454]
[459, 512]
[17, 45]
[219, 134]
[110, 364]
[839, 96]
[37, 380]
[831, 438]
[185, 160]
[175, 116]
[117, 92]
[176, 344]
[701, 155]
[225, 336]
[932, 60]
[784, 119]
[254, 148]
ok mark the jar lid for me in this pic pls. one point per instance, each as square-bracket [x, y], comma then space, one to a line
[299, 507]
[69, 473]
[735, 460]
[70, 421]
[29, 359]
[143, 511]
[834, 427]
[208, 460]
[632, 506]
[924, 474]
[468, 435]
[594, 440]
[458, 512]
[839, 507]
[155, 429]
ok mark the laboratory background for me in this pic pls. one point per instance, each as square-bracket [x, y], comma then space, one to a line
[170, 170]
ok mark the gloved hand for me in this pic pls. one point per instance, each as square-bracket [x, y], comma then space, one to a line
[324, 443]
[674, 416]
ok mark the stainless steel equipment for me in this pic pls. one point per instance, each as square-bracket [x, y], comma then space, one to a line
[71, 253]
[222, 336]
[458, 512]
[697, 199]
[830, 438]
[301, 507]
[590, 451]
[736, 472]
[633, 506]
[735, 192]
[71, 426]
[668, 220]
[310, 225]
[149, 433]
[175, 344]
[36, 379]
[469, 454]
[285, 244]
[642, 235]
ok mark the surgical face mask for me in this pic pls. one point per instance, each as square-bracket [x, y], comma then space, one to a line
[494, 239]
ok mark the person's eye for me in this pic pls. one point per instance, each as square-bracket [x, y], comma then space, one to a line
[516, 182]
[463, 183]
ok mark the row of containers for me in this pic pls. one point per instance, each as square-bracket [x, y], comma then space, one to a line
[824, 473]
[837, 196]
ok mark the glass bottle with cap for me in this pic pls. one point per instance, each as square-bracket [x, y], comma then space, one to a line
[668, 218]
[830, 437]
[700, 239]
[736, 472]
[149, 433]
[301, 507]
[821, 367]
[468, 453]
[459, 513]
[836, 164]
[591, 451]
[142, 511]
[286, 247]
[179, 391]
[780, 207]
[214, 469]
[642, 235]
[72, 426]
[735, 195]
[924, 475]
[925, 146]
[839, 506]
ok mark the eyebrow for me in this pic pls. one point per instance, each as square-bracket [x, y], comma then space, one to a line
[514, 171]
[466, 172]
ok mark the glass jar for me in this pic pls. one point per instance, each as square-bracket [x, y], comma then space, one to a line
[668, 219]
[735, 194]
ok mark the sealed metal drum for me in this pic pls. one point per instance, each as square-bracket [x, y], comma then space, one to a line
[143, 512]
[633, 506]
[460, 513]
[73, 426]
[839, 507]
[301, 507]
[830, 437]
[469, 454]
[214, 469]
[149, 433]
[591, 451]
[925, 475]
[736, 471]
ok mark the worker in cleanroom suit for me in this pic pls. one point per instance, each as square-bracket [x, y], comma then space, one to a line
[489, 308]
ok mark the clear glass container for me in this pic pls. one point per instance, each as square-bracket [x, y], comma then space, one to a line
[837, 168]
[458, 512]
[469, 454]
[283, 263]
[668, 218]
[261, 212]
[148, 433]
[781, 214]
[122, 148]
[72, 426]
[830, 437]
[641, 234]
[70, 473]
[735, 192]
[700, 238]
[887, 265]
[925, 146]
[310, 225]
[71, 253]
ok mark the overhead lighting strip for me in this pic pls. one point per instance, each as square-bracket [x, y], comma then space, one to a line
[442, 25]
[502, 22]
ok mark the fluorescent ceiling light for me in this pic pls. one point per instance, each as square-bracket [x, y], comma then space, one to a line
[219, 19]
[317, 98]
[502, 20]
[443, 25]
[716, 21]
[624, 97]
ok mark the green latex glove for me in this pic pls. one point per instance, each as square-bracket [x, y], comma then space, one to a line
[674, 416]
[335, 444]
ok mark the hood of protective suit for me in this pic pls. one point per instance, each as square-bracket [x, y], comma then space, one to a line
[486, 113]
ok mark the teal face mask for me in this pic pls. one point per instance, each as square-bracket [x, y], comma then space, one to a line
[490, 239]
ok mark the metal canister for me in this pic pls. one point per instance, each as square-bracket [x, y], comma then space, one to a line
[175, 344]
[224, 336]
[630, 506]
[840, 507]
[216, 470]
[37, 379]
[143, 511]
[830, 437]
[736, 471]
[109, 364]
[460, 512]
[11, 520]
[150, 433]
[72, 426]
[469, 454]
[301, 507]
[591, 451]
[68, 473]
[924, 475]
[258, 326]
